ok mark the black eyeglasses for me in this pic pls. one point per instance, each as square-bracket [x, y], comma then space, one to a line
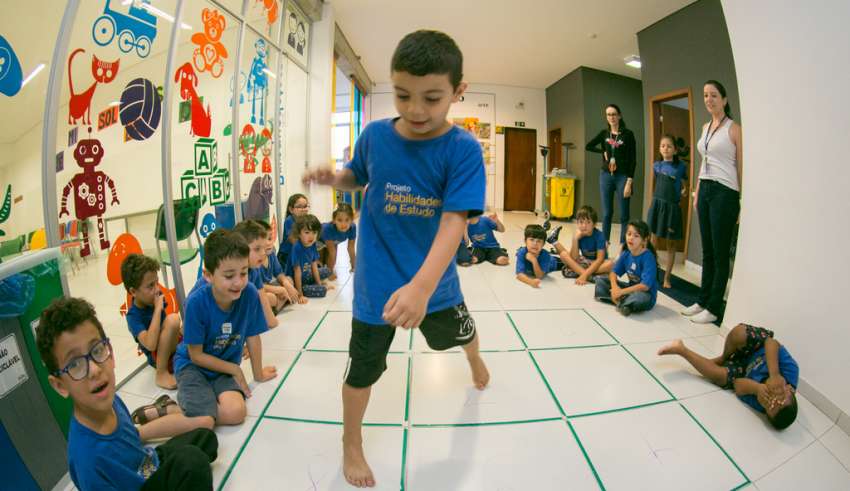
[78, 367]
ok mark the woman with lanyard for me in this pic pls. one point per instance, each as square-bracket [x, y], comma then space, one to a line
[717, 200]
[617, 146]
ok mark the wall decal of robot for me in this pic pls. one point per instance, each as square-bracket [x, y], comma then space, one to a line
[89, 188]
[258, 82]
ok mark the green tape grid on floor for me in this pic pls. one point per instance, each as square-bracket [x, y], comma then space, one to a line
[266, 407]
[648, 372]
[600, 325]
[746, 478]
[332, 423]
[618, 410]
[586, 456]
[404, 459]
[491, 423]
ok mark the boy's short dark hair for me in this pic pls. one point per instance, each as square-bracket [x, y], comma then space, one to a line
[63, 314]
[223, 244]
[250, 230]
[535, 231]
[307, 222]
[785, 416]
[263, 224]
[427, 52]
[587, 213]
[134, 268]
[343, 208]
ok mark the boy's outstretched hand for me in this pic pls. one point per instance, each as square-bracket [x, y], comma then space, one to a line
[406, 307]
[320, 175]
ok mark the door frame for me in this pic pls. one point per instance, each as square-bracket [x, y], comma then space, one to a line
[654, 109]
[533, 169]
[554, 151]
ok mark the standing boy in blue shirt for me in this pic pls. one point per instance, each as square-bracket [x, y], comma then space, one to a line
[221, 317]
[105, 449]
[425, 177]
[485, 247]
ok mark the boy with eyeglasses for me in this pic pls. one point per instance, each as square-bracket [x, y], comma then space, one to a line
[105, 449]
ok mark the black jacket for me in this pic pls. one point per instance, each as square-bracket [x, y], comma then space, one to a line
[624, 152]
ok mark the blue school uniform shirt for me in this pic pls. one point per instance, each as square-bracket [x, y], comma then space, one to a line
[330, 232]
[481, 233]
[117, 461]
[222, 333]
[285, 245]
[679, 172]
[640, 269]
[411, 184]
[588, 246]
[546, 261]
[302, 257]
[255, 277]
[273, 270]
[139, 320]
[757, 370]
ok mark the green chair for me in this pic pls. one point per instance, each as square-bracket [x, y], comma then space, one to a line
[186, 213]
[12, 248]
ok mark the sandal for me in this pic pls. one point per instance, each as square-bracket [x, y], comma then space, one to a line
[161, 404]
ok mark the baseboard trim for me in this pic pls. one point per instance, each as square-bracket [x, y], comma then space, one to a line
[827, 407]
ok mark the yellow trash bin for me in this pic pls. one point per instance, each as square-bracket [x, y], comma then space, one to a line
[562, 196]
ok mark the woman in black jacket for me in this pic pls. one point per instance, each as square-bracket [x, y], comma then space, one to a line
[617, 146]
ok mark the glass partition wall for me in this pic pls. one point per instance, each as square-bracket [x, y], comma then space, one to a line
[210, 77]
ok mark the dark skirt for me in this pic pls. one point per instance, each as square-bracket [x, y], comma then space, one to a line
[665, 219]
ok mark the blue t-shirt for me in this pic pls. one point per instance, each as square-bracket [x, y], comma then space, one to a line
[679, 172]
[117, 461]
[255, 277]
[640, 269]
[330, 232]
[411, 184]
[481, 233]
[221, 333]
[757, 370]
[588, 246]
[139, 320]
[273, 270]
[302, 257]
[285, 245]
[546, 261]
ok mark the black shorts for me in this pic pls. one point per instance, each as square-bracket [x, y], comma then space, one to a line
[736, 364]
[370, 343]
[489, 253]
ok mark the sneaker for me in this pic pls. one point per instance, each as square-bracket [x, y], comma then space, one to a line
[625, 310]
[704, 317]
[553, 237]
[692, 310]
[568, 273]
[546, 225]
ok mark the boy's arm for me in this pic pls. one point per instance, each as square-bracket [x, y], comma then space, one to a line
[330, 245]
[594, 266]
[296, 277]
[500, 227]
[640, 287]
[407, 305]
[351, 252]
[535, 265]
[150, 337]
[747, 387]
[255, 350]
[574, 249]
[343, 180]
[775, 381]
[535, 282]
[210, 362]
[314, 268]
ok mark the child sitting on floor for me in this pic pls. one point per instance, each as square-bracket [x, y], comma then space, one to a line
[156, 333]
[485, 247]
[638, 262]
[105, 450]
[274, 279]
[588, 251]
[532, 262]
[753, 364]
[255, 236]
[303, 263]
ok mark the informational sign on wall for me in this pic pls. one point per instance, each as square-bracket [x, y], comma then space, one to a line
[13, 372]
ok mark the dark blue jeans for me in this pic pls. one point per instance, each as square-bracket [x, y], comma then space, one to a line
[637, 301]
[608, 185]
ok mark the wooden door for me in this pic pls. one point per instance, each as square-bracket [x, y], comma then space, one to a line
[520, 169]
[555, 149]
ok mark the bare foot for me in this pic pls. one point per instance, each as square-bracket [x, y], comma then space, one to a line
[166, 380]
[354, 467]
[480, 375]
[673, 348]
[667, 283]
[332, 277]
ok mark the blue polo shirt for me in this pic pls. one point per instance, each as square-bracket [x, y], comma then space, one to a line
[139, 320]
[273, 270]
[330, 232]
[302, 257]
[546, 261]
[640, 269]
[481, 233]
[411, 184]
[590, 245]
[757, 370]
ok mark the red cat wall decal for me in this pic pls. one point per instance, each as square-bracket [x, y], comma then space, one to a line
[104, 72]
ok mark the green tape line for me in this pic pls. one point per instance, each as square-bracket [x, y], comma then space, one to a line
[491, 423]
[511, 319]
[586, 456]
[718, 446]
[600, 325]
[648, 372]
[333, 423]
[557, 348]
[404, 459]
[618, 410]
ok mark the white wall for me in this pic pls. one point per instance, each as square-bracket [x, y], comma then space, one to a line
[506, 114]
[790, 272]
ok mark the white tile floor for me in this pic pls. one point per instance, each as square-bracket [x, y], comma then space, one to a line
[578, 400]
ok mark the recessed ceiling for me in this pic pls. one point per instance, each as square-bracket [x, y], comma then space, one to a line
[526, 44]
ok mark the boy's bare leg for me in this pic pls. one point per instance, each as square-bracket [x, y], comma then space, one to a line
[480, 374]
[165, 347]
[354, 465]
[231, 408]
[172, 424]
[709, 369]
[266, 299]
[735, 340]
